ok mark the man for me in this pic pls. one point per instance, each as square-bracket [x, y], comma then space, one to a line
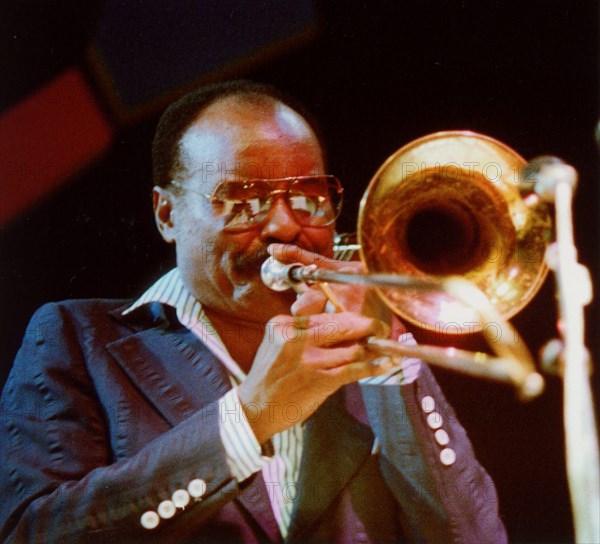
[213, 409]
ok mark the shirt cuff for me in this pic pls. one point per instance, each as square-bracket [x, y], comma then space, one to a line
[406, 371]
[243, 452]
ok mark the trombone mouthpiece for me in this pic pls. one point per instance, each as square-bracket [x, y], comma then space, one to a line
[278, 276]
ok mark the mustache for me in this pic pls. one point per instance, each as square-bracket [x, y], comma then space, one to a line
[250, 261]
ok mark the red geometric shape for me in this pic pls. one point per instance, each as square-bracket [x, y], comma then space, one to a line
[46, 139]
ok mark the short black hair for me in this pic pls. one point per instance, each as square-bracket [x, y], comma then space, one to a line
[178, 117]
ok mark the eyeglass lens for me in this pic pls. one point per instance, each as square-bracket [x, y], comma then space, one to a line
[314, 201]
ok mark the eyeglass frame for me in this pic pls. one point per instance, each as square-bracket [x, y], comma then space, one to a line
[212, 198]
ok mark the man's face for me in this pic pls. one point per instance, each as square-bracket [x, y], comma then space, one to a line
[232, 140]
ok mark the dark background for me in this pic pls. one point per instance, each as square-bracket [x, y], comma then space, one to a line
[377, 75]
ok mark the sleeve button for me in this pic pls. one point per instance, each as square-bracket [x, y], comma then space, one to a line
[150, 520]
[442, 437]
[434, 420]
[181, 498]
[197, 488]
[428, 404]
[166, 509]
[447, 456]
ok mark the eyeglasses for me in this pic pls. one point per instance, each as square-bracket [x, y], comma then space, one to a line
[314, 201]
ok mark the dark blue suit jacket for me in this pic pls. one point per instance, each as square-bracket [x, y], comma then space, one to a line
[103, 417]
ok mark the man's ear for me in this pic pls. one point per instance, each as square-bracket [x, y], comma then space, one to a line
[162, 202]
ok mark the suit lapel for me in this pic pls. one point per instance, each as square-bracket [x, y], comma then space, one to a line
[180, 376]
[255, 499]
[335, 446]
[175, 372]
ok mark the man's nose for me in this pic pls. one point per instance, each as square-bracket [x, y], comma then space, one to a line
[280, 223]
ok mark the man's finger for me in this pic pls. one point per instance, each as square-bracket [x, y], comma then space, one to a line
[312, 301]
[328, 359]
[330, 329]
[353, 372]
[287, 253]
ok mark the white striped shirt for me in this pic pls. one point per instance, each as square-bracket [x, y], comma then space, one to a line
[244, 458]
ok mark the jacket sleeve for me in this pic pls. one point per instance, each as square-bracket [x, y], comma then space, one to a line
[429, 464]
[58, 480]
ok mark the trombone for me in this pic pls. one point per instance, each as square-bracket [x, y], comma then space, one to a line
[449, 242]
[455, 232]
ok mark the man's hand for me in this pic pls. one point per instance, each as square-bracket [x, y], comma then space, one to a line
[301, 361]
[306, 357]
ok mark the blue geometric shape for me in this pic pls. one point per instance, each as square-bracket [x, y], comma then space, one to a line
[151, 47]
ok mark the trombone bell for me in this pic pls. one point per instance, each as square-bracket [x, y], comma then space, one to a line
[450, 204]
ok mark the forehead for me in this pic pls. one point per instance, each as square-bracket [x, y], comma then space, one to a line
[243, 138]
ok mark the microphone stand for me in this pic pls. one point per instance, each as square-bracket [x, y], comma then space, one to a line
[556, 183]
